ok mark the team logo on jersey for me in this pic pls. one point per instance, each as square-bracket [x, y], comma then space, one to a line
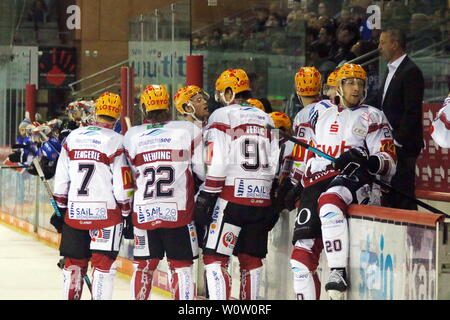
[359, 132]
[127, 178]
[229, 239]
[334, 128]
[241, 189]
[100, 235]
[388, 146]
[252, 109]
[139, 241]
[154, 132]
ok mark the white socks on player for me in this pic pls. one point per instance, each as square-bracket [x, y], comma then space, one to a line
[103, 283]
[335, 235]
[218, 281]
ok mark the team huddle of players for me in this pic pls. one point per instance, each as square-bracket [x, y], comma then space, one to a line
[218, 182]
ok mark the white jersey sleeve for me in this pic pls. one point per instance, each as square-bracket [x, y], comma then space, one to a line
[380, 142]
[242, 156]
[440, 127]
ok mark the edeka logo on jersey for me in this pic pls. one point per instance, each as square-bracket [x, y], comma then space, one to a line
[252, 188]
[376, 272]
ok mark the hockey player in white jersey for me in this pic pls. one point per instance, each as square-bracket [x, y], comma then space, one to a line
[93, 197]
[329, 88]
[360, 137]
[440, 127]
[236, 201]
[308, 84]
[164, 156]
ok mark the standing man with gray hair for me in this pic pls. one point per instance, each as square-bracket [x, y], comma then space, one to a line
[400, 97]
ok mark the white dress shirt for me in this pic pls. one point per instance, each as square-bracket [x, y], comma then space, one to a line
[392, 66]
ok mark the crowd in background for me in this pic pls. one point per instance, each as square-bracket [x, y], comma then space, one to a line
[327, 33]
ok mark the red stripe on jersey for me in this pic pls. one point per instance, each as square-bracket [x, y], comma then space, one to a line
[190, 192]
[60, 199]
[376, 126]
[115, 154]
[221, 127]
[332, 198]
[214, 184]
[89, 154]
[196, 142]
[445, 121]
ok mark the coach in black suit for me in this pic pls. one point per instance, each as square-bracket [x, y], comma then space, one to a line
[400, 97]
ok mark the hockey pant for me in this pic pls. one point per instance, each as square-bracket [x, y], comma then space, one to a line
[218, 278]
[102, 281]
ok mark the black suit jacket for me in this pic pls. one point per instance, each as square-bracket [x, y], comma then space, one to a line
[402, 106]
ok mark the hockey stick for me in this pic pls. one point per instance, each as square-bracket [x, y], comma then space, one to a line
[380, 183]
[13, 167]
[41, 175]
[128, 122]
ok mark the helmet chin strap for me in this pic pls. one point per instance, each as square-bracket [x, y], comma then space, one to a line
[227, 102]
[192, 114]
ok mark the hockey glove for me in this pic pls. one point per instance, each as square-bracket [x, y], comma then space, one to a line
[128, 229]
[58, 220]
[204, 207]
[281, 193]
[293, 196]
[374, 164]
[15, 157]
[358, 155]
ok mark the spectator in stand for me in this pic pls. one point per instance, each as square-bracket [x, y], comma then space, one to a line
[319, 58]
[343, 17]
[359, 17]
[361, 48]
[262, 14]
[327, 36]
[422, 34]
[347, 36]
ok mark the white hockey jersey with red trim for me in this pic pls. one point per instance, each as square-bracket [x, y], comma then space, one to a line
[334, 130]
[440, 128]
[242, 156]
[302, 131]
[93, 179]
[163, 158]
